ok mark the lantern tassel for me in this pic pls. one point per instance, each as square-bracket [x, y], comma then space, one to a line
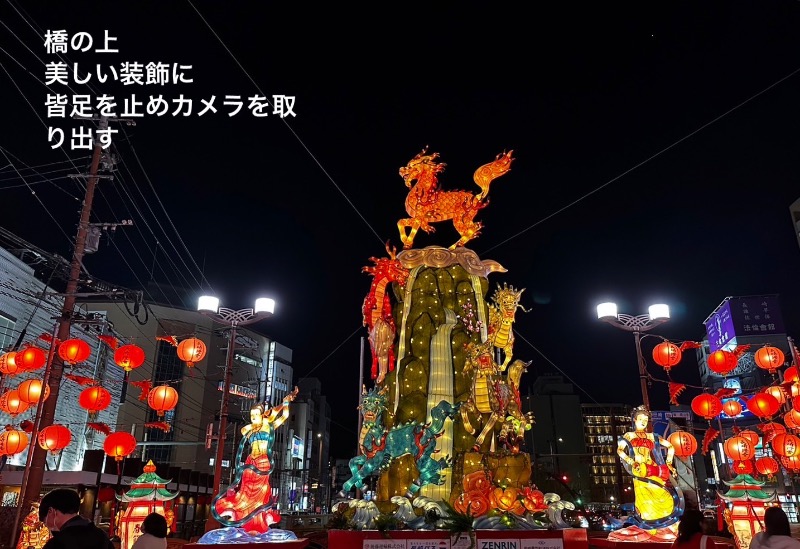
[675, 389]
[709, 437]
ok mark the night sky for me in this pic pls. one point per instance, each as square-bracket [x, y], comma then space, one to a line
[656, 151]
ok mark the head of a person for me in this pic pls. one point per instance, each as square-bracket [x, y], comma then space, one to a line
[58, 506]
[691, 523]
[640, 417]
[155, 524]
[776, 523]
[257, 415]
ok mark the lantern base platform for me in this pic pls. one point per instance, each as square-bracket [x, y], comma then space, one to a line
[299, 543]
[571, 538]
[602, 543]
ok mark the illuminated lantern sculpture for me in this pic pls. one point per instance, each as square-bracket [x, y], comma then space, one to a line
[667, 355]
[747, 502]
[129, 357]
[74, 351]
[162, 399]
[147, 494]
[763, 405]
[739, 448]
[8, 364]
[722, 362]
[684, 443]
[30, 358]
[731, 407]
[786, 445]
[13, 441]
[769, 358]
[706, 406]
[54, 438]
[30, 391]
[94, 399]
[119, 445]
[767, 466]
[191, 351]
[12, 404]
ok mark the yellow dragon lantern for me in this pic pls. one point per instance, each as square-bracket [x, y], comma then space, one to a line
[427, 204]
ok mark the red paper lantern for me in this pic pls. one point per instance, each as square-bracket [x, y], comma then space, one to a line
[119, 445]
[30, 391]
[162, 398]
[731, 407]
[74, 351]
[777, 392]
[722, 361]
[94, 399]
[752, 436]
[11, 404]
[684, 443]
[30, 358]
[792, 463]
[54, 438]
[667, 355]
[767, 465]
[106, 494]
[13, 442]
[706, 406]
[792, 419]
[8, 364]
[770, 430]
[786, 445]
[790, 375]
[739, 449]
[129, 357]
[763, 405]
[191, 351]
[769, 358]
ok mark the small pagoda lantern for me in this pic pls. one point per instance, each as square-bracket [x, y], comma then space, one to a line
[747, 501]
[148, 493]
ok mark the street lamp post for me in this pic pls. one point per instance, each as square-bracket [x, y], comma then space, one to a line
[657, 314]
[209, 306]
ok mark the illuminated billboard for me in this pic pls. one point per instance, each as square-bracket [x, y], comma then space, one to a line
[743, 316]
[297, 447]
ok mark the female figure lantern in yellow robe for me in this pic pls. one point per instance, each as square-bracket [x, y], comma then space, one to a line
[659, 501]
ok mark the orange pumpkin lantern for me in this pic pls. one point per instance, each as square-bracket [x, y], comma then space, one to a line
[739, 449]
[667, 355]
[12, 404]
[722, 361]
[13, 442]
[731, 407]
[54, 438]
[786, 445]
[777, 392]
[790, 375]
[769, 358]
[129, 357]
[30, 358]
[30, 391]
[191, 351]
[763, 405]
[767, 465]
[8, 364]
[94, 399]
[162, 399]
[119, 445]
[684, 443]
[74, 351]
[706, 406]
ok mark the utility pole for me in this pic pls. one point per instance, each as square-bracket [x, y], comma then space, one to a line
[29, 492]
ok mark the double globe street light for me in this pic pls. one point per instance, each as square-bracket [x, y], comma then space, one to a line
[657, 314]
[232, 318]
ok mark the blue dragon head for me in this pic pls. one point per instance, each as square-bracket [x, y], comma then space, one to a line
[373, 404]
